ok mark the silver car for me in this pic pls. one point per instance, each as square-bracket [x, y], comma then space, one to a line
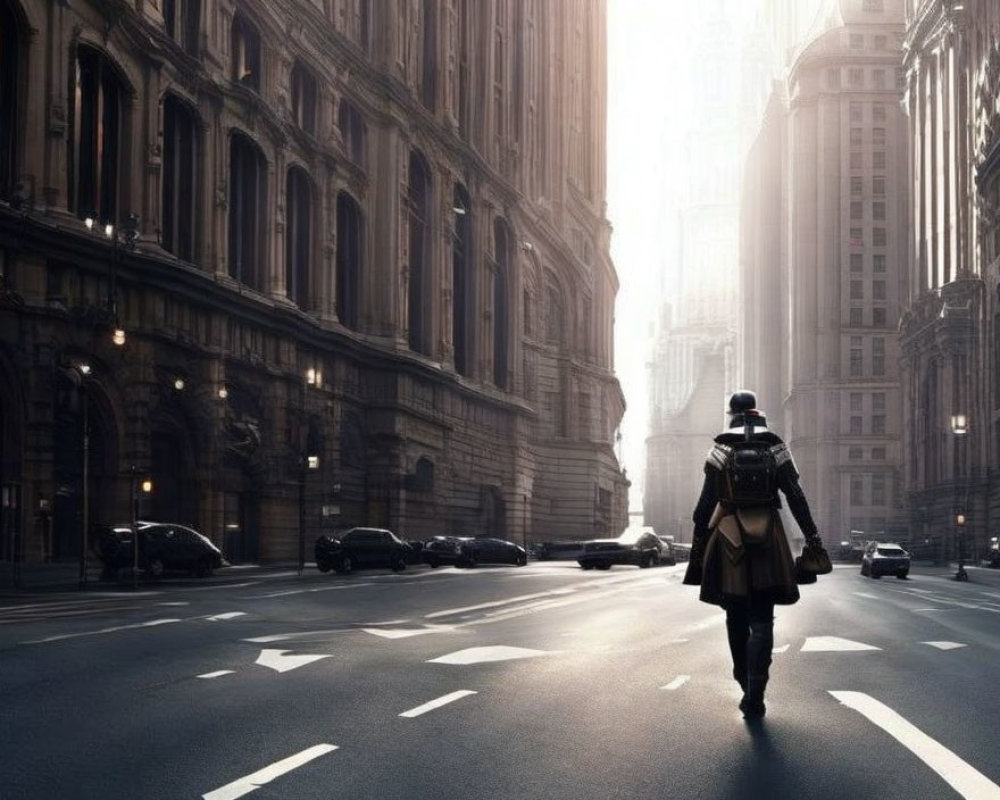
[885, 558]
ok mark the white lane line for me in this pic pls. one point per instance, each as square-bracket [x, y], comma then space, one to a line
[867, 596]
[481, 655]
[944, 645]
[520, 599]
[308, 591]
[406, 633]
[822, 644]
[676, 683]
[218, 674]
[280, 662]
[441, 701]
[227, 615]
[255, 780]
[150, 624]
[781, 649]
[962, 777]
[175, 603]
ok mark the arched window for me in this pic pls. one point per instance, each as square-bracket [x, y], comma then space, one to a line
[247, 221]
[182, 23]
[298, 236]
[501, 305]
[180, 179]
[349, 254]
[461, 276]
[419, 290]
[304, 98]
[246, 54]
[555, 314]
[98, 136]
[9, 63]
[352, 130]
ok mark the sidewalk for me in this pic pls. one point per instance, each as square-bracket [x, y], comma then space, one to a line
[977, 575]
[65, 577]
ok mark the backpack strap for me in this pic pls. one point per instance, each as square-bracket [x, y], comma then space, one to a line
[718, 456]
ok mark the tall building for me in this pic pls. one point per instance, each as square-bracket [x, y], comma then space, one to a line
[950, 331]
[306, 266]
[824, 253]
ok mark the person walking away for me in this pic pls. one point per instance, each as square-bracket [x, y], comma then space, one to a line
[740, 555]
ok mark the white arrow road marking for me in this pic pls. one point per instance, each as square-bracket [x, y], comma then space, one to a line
[963, 778]
[821, 644]
[868, 596]
[441, 701]
[279, 662]
[254, 781]
[405, 633]
[151, 624]
[781, 649]
[218, 674]
[944, 645]
[175, 603]
[227, 615]
[479, 655]
[677, 683]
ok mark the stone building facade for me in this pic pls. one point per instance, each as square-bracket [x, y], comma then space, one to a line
[825, 221]
[950, 332]
[354, 254]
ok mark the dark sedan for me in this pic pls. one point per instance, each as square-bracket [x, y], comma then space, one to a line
[443, 550]
[163, 547]
[485, 550]
[359, 548]
[645, 550]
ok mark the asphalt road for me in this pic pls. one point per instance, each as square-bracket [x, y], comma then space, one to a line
[541, 682]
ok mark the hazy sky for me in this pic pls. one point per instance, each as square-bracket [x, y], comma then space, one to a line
[647, 107]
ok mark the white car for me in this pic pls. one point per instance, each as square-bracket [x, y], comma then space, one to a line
[885, 558]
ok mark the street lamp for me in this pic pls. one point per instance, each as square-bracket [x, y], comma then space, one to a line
[78, 374]
[145, 486]
[961, 575]
[125, 237]
[309, 460]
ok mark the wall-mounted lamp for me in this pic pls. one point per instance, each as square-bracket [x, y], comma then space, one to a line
[118, 337]
[960, 519]
[527, 246]
[312, 462]
[959, 424]
[146, 486]
[314, 377]
[179, 384]
[84, 368]
[223, 393]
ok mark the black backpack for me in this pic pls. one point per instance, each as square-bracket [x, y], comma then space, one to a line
[751, 475]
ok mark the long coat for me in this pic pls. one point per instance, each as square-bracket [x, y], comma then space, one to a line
[745, 551]
[734, 567]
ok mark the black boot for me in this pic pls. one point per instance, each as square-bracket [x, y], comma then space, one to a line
[752, 704]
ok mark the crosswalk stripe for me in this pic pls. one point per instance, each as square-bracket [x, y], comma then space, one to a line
[962, 777]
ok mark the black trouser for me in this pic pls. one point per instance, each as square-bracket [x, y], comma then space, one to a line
[750, 625]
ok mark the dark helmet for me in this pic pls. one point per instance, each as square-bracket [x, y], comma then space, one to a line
[742, 401]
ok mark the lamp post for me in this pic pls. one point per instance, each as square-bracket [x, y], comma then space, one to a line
[308, 457]
[960, 427]
[145, 486]
[961, 575]
[125, 237]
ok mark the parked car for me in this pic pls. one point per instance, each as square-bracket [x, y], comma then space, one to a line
[669, 555]
[442, 550]
[486, 550]
[644, 550]
[358, 548]
[555, 551]
[163, 547]
[885, 558]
